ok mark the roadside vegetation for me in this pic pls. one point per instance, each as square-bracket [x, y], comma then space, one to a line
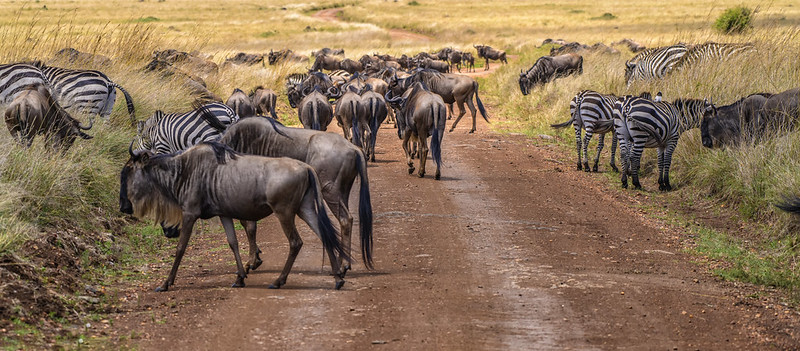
[55, 206]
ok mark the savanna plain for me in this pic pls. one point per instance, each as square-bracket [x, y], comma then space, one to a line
[512, 249]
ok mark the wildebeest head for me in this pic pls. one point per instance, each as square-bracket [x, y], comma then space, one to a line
[524, 83]
[138, 193]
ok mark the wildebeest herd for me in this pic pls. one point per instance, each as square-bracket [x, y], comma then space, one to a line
[234, 160]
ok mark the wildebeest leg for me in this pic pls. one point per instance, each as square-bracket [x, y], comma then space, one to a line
[472, 109]
[450, 108]
[255, 259]
[600, 143]
[409, 161]
[422, 133]
[183, 241]
[295, 243]
[339, 207]
[461, 113]
[487, 65]
[230, 233]
[309, 214]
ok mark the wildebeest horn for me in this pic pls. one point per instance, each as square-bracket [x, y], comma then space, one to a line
[130, 149]
[91, 123]
[395, 100]
[307, 90]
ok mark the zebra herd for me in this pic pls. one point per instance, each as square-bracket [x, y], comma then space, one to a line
[656, 63]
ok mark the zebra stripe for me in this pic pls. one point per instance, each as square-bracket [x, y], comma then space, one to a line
[653, 64]
[586, 109]
[711, 51]
[86, 91]
[15, 77]
[642, 123]
[167, 133]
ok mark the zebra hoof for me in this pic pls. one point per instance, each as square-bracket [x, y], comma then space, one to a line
[594, 169]
[614, 168]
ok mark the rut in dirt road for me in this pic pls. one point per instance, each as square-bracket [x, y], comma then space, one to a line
[507, 251]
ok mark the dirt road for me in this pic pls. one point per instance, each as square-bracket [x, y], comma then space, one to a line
[330, 15]
[512, 249]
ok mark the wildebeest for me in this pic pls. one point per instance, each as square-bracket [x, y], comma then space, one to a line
[287, 55]
[468, 60]
[633, 46]
[212, 180]
[443, 54]
[187, 61]
[451, 87]
[314, 110]
[196, 85]
[298, 83]
[245, 59]
[241, 104]
[326, 62]
[337, 162]
[351, 66]
[437, 65]
[724, 125]
[421, 113]
[455, 59]
[328, 51]
[349, 114]
[376, 110]
[779, 113]
[35, 112]
[487, 52]
[74, 56]
[547, 68]
[264, 100]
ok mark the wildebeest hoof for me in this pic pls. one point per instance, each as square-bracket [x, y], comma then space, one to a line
[273, 286]
[410, 170]
[594, 169]
[451, 130]
[471, 131]
[162, 288]
[339, 284]
[421, 174]
[437, 176]
[238, 284]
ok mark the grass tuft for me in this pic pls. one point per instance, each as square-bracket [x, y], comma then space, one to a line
[734, 20]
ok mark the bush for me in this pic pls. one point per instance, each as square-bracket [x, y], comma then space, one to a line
[734, 20]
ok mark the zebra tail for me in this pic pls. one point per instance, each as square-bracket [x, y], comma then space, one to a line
[210, 118]
[791, 205]
[128, 101]
[565, 124]
[480, 104]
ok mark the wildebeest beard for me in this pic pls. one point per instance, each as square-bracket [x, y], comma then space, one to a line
[153, 199]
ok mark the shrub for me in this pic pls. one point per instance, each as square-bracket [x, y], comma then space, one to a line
[734, 20]
[413, 3]
[605, 16]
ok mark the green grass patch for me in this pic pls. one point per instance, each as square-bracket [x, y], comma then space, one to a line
[147, 19]
[606, 16]
[734, 20]
[268, 34]
[413, 3]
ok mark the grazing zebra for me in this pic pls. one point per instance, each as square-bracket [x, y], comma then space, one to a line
[642, 123]
[167, 133]
[16, 77]
[653, 63]
[585, 110]
[86, 91]
[711, 51]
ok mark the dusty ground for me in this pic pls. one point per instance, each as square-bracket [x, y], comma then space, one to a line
[512, 249]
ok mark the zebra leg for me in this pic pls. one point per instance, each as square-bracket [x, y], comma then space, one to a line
[613, 152]
[623, 158]
[586, 138]
[578, 145]
[635, 159]
[600, 142]
[661, 168]
[667, 162]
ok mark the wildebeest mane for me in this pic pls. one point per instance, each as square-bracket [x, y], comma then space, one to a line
[253, 92]
[222, 152]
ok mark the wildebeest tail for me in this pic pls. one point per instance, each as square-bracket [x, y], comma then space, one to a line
[271, 106]
[364, 212]
[791, 205]
[480, 104]
[374, 123]
[128, 102]
[436, 141]
[328, 234]
[354, 121]
[315, 115]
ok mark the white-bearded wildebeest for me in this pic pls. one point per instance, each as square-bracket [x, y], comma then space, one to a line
[420, 113]
[326, 62]
[241, 104]
[469, 61]
[377, 111]
[299, 83]
[455, 59]
[441, 66]
[35, 112]
[451, 87]
[350, 114]
[314, 111]
[337, 162]
[547, 68]
[487, 52]
[210, 180]
[264, 100]
[285, 55]
[779, 113]
[725, 125]
[351, 66]
[328, 51]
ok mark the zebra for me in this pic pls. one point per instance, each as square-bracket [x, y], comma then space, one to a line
[16, 77]
[86, 91]
[653, 63]
[585, 110]
[642, 123]
[164, 133]
[711, 51]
